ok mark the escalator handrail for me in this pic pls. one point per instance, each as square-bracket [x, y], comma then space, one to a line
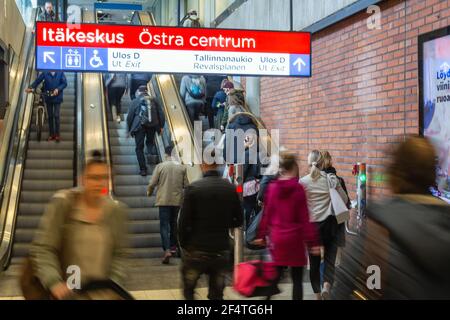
[10, 201]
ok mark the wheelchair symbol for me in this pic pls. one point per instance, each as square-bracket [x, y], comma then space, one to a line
[95, 61]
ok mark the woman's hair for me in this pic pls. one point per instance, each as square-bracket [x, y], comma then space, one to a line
[327, 160]
[316, 161]
[288, 162]
[236, 97]
[413, 167]
[96, 157]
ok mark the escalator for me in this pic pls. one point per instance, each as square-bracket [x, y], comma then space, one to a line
[130, 188]
[49, 167]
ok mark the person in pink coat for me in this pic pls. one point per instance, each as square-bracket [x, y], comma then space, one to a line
[285, 222]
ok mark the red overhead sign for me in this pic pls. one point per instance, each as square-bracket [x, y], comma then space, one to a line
[287, 52]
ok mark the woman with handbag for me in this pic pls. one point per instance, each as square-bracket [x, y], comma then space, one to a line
[318, 185]
[285, 222]
[81, 236]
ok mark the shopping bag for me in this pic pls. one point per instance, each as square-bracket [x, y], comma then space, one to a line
[340, 210]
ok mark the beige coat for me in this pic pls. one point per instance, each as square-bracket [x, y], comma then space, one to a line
[170, 178]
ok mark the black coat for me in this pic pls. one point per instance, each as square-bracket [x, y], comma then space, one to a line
[210, 208]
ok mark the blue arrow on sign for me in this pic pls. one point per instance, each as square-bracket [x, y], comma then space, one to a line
[48, 58]
[300, 65]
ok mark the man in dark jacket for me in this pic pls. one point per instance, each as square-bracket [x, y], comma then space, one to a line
[136, 80]
[48, 14]
[210, 208]
[144, 131]
[54, 84]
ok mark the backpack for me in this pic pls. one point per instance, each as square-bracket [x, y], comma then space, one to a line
[148, 114]
[196, 89]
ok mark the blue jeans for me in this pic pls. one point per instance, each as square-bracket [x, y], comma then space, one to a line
[53, 118]
[168, 226]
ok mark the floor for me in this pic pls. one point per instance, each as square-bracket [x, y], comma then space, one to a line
[150, 280]
[201, 294]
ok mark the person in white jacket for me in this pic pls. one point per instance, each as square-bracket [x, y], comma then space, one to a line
[317, 185]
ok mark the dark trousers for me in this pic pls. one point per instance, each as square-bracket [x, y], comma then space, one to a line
[328, 236]
[53, 118]
[168, 226]
[196, 263]
[297, 281]
[194, 110]
[250, 207]
[135, 84]
[144, 137]
[115, 95]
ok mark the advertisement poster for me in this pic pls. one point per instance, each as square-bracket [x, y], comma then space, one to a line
[436, 110]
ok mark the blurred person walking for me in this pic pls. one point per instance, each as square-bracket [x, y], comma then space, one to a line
[170, 178]
[84, 228]
[317, 185]
[286, 223]
[210, 208]
[408, 235]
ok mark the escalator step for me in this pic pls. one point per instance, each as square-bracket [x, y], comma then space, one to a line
[119, 134]
[31, 209]
[149, 213]
[24, 235]
[137, 240]
[50, 164]
[28, 222]
[144, 253]
[48, 174]
[130, 191]
[116, 141]
[137, 202]
[36, 196]
[123, 150]
[66, 136]
[132, 169]
[42, 185]
[41, 145]
[127, 159]
[143, 227]
[21, 249]
[129, 180]
[53, 154]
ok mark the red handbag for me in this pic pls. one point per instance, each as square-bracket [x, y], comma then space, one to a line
[256, 279]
